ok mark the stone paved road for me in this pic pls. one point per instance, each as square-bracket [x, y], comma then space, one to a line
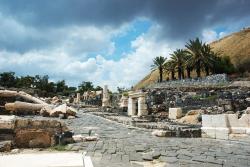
[120, 145]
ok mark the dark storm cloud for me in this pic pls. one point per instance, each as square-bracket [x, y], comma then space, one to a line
[181, 19]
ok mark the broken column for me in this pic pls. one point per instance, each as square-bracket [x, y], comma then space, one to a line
[78, 98]
[105, 98]
[142, 106]
[131, 106]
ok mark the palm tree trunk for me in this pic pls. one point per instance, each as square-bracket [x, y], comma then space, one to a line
[188, 72]
[207, 71]
[198, 69]
[172, 75]
[160, 71]
[182, 74]
[179, 73]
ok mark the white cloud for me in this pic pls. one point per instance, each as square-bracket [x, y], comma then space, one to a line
[209, 35]
[58, 63]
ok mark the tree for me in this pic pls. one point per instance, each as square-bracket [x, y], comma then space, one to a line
[178, 59]
[98, 88]
[208, 59]
[61, 86]
[7, 79]
[158, 64]
[223, 65]
[194, 48]
[169, 67]
[85, 86]
[25, 82]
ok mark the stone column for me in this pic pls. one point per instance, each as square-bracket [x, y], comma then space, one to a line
[142, 106]
[105, 98]
[78, 98]
[131, 106]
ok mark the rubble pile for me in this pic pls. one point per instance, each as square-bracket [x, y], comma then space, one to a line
[21, 103]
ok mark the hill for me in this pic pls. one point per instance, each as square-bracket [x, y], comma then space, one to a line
[235, 45]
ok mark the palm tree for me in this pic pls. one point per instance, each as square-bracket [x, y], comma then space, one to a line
[194, 48]
[169, 67]
[178, 58]
[158, 64]
[208, 58]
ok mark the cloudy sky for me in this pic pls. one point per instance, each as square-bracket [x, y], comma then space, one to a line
[107, 41]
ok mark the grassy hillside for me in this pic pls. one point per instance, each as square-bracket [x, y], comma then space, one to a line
[235, 45]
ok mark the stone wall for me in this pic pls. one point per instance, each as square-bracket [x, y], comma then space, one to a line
[211, 100]
[225, 126]
[33, 133]
[212, 80]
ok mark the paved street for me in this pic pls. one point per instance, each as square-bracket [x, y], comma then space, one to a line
[120, 145]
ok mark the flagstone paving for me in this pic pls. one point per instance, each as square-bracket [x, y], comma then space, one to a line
[121, 145]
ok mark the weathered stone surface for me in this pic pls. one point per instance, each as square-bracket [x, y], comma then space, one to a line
[190, 119]
[161, 133]
[7, 122]
[32, 139]
[5, 146]
[175, 113]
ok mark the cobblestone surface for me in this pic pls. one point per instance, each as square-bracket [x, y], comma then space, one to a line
[121, 145]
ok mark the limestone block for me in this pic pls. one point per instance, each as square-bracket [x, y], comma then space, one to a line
[7, 122]
[222, 133]
[207, 121]
[161, 133]
[220, 120]
[208, 132]
[245, 120]
[238, 130]
[175, 113]
[32, 138]
[248, 131]
[233, 120]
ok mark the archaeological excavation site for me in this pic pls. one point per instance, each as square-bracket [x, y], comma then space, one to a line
[190, 123]
[124, 83]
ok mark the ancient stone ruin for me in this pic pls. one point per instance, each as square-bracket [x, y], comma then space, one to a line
[137, 104]
[105, 97]
[21, 132]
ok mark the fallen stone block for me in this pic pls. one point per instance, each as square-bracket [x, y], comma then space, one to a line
[161, 133]
[91, 138]
[63, 109]
[175, 113]
[78, 138]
